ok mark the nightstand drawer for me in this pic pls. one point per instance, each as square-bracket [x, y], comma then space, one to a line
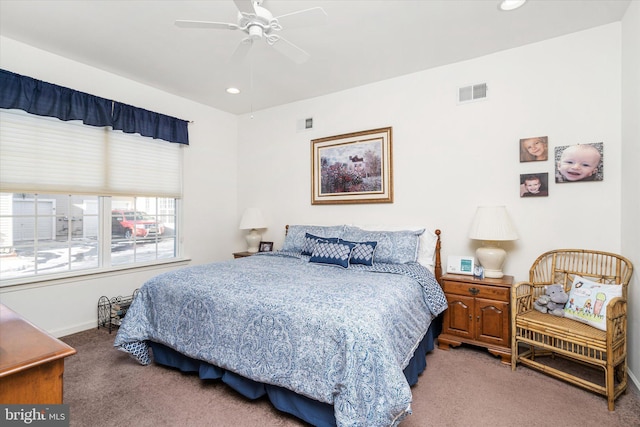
[476, 290]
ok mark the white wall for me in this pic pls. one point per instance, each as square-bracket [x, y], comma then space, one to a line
[631, 173]
[210, 194]
[450, 158]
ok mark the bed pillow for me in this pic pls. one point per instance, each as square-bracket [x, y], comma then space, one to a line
[294, 240]
[427, 251]
[310, 241]
[333, 253]
[398, 247]
[426, 246]
[363, 252]
[588, 302]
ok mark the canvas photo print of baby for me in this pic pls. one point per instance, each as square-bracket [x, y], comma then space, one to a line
[580, 162]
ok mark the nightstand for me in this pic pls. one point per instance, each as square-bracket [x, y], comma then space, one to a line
[478, 314]
[243, 254]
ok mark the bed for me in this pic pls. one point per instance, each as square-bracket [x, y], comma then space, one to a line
[334, 328]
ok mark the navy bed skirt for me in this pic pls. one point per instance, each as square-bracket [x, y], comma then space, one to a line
[313, 412]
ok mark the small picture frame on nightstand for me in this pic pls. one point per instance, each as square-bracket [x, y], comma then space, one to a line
[265, 247]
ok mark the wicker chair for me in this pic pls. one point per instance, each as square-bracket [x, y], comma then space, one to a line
[536, 334]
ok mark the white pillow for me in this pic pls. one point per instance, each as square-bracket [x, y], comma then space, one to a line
[426, 246]
[588, 302]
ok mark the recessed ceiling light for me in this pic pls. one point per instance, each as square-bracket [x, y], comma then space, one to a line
[233, 90]
[508, 5]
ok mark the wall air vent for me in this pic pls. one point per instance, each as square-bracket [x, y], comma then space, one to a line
[304, 124]
[471, 93]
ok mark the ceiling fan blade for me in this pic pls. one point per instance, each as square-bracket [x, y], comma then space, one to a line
[242, 50]
[291, 51]
[206, 24]
[245, 6]
[303, 18]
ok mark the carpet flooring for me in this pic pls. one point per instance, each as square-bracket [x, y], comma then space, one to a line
[465, 386]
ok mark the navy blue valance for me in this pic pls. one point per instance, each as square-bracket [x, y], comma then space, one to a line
[147, 123]
[46, 99]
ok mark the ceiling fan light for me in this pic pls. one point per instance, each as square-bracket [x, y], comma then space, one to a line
[233, 90]
[255, 32]
[508, 5]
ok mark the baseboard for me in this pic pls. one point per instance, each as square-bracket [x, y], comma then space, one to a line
[633, 379]
[74, 329]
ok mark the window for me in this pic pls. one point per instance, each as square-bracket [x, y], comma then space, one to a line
[76, 198]
[44, 234]
[51, 234]
[142, 230]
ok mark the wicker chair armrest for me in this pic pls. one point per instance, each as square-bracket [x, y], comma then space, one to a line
[616, 307]
[525, 285]
[522, 297]
[617, 319]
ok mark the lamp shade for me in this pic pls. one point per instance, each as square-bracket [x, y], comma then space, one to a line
[492, 223]
[252, 218]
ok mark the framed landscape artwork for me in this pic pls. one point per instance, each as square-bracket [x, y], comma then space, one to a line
[352, 168]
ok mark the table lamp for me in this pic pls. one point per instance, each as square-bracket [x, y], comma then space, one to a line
[492, 225]
[251, 220]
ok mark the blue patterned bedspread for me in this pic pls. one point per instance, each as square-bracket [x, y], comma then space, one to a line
[339, 336]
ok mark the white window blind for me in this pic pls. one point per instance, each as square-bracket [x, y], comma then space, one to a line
[143, 166]
[48, 155]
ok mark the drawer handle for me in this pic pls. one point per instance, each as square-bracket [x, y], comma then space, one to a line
[474, 291]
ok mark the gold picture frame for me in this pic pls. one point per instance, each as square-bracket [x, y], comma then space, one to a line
[352, 168]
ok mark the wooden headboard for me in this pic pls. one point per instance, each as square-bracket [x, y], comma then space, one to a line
[437, 268]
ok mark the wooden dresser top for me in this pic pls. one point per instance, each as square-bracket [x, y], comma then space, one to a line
[24, 345]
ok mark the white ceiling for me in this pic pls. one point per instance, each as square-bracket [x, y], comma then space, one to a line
[362, 42]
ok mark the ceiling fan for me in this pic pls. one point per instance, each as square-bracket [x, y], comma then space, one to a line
[258, 23]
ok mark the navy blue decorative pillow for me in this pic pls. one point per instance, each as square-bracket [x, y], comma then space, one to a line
[335, 253]
[362, 252]
[310, 241]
